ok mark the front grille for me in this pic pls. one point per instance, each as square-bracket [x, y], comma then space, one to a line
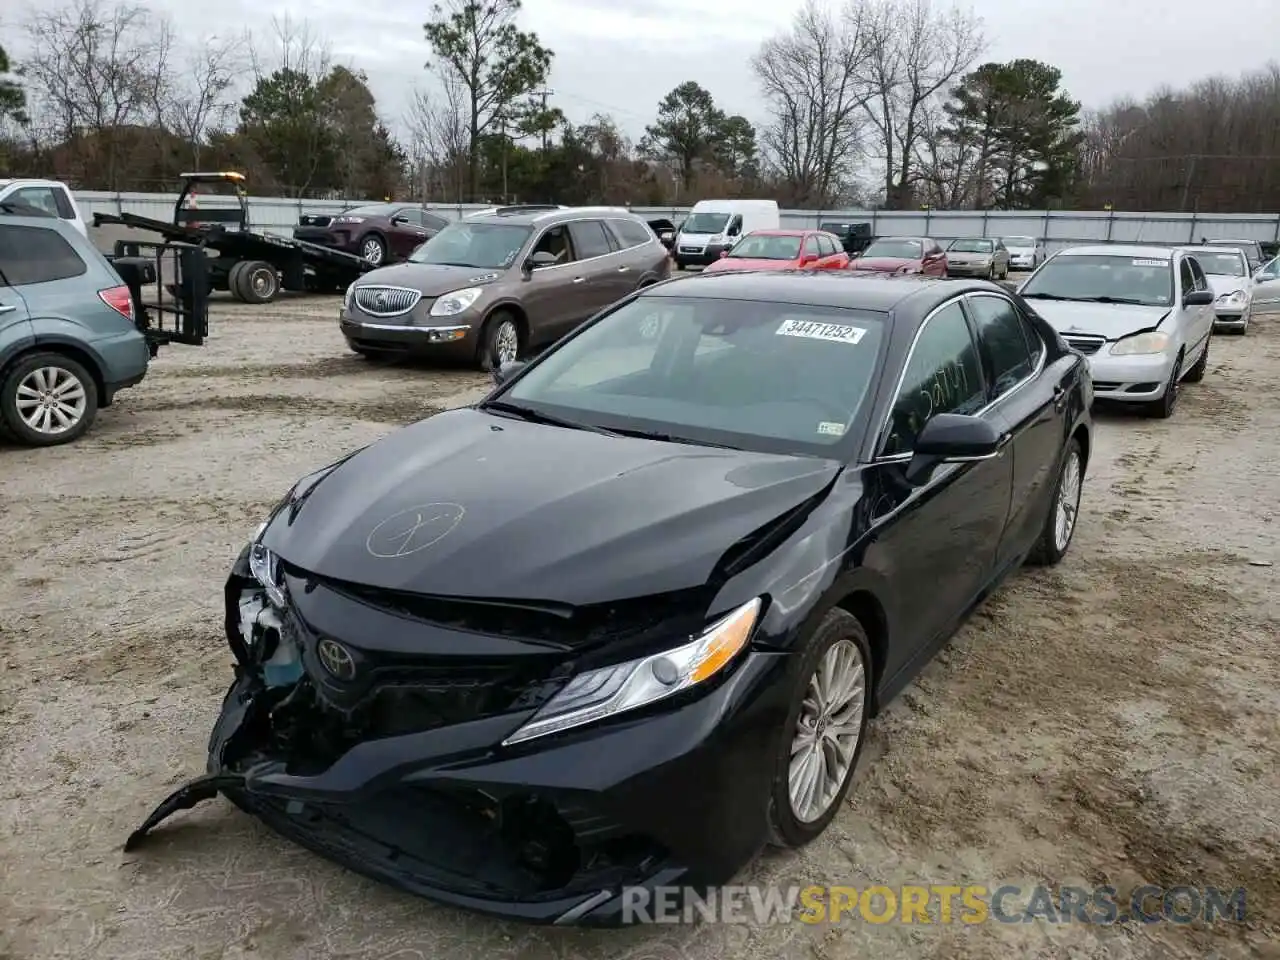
[1086, 343]
[691, 249]
[386, 301]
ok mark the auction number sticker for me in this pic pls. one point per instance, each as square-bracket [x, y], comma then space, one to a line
[812, 330]
[1151, 263]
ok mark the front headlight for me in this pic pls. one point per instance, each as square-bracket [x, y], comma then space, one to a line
[1153, 341]
[452, 304]
[608, 691]
[348, 219]
[265, 567]
[1234, 297]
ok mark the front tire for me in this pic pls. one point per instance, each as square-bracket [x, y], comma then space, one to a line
[1163, 408]
[1064, 510]
[1196, 373]
[818, 748]
[374, 249]
[48, 399]
[499, 342]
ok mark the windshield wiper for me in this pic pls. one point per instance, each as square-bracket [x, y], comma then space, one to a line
[669, 438]
[538, 416]
[1139, 303]
[1044, 296]
[449, 263]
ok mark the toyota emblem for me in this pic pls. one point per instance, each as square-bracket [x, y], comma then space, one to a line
[336, 660]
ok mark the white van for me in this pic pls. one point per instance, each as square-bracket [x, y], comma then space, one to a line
[716, 225]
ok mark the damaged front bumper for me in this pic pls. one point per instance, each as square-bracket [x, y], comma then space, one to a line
[547, 831]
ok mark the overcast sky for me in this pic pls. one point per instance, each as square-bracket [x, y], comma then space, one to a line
[622, 56]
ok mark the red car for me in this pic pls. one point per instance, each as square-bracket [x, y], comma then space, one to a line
[897, 255]
[783, 250]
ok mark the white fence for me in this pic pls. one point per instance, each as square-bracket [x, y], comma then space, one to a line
[1058, 228]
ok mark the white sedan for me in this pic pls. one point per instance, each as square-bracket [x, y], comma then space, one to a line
[1142, 315]
[1227, 269]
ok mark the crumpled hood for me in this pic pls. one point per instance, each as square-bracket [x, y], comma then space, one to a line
[747, 263]
[882, 264]
[431, 279]
[468, 504]
[1110, 320]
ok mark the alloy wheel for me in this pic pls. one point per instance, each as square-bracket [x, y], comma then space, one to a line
[51, 400]
[827, 731]
[506, 343]
[372, 251]
[1068, 506]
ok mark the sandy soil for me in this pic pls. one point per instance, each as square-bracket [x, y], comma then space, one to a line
[1111, 721]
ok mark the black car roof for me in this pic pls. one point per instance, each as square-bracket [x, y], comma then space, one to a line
[823, 288]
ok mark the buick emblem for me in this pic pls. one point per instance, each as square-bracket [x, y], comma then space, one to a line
[380, 300]
[336, 660]
[414, 529]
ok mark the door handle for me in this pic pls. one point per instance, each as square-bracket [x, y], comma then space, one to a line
[623, 269]
[578, 279]
[1003, 441]
[1059, 397]
[8, 309]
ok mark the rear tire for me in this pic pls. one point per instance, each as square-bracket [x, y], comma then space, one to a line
[52, 376]
[257, 282]
[789, 827]
[233, 279]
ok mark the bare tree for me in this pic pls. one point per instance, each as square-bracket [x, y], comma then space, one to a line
[204, 94]
[94, 71]
[917, 51]
[811, 79]
[439, 130]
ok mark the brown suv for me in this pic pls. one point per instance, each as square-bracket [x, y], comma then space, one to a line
[486, 289]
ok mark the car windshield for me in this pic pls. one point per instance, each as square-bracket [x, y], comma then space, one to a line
[971, 246]
[1105, 278]
[897, 249]
[1222, 264]
[778, 378]
[705, 223]
[493, 246]
[1019, 242]
[758, 246]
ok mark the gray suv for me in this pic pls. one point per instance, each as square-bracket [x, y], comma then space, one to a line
[68, 340]
[488, 288]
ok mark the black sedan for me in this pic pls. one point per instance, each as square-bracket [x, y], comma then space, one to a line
[624, 622]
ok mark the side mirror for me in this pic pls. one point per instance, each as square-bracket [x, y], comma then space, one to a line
[539, 259]
[399, 220]
[1198, 298]
[505, 372]
[808, 258]
[952, 438]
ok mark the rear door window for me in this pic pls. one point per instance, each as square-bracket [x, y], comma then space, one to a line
[37, 255]
[1000, 329]
[590, 239]
[629, 233]
[41, 197]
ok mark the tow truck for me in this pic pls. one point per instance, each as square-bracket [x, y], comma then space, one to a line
[254, 267]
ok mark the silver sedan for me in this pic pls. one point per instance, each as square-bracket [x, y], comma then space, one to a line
[978, 257]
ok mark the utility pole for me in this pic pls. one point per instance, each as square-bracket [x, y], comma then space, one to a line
[544, 93]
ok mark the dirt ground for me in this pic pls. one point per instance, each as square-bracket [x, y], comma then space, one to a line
[1112, 721]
